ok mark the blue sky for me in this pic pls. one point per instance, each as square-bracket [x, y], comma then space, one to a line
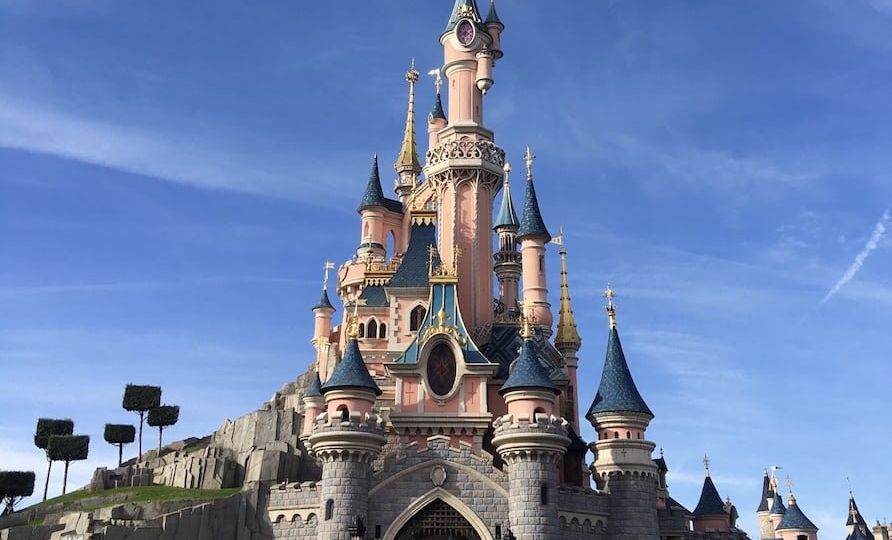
[172, 178]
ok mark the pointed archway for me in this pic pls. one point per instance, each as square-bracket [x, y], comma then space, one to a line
[438, 515]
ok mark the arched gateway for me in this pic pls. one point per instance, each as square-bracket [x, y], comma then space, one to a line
[438, 521]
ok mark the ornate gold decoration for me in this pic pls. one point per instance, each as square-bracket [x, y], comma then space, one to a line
[567, 333]
[353, 325]
[466, 149]
[443, 272]
[442, 327]
[609, 294]
[527, 320]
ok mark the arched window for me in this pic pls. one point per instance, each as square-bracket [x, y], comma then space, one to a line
[416, 317]
[616, 434]
[372, 329]
[329, 509]
[391, 243]
[345, 412]
[361, 330]
[382, 331]
[365, 232]
[538, 410]
[639, 435]
[543, 494]
[628, 435]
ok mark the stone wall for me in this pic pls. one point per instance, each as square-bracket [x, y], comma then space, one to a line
[633, 510]
[294, 510]
[583, 513]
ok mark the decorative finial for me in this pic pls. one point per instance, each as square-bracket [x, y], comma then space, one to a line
[456, 256]
[661, 452]
[609, 294]
[559, 239]
[431, 253]
[438, 79]
[353, 327]
[706, 463]
[325, 268]
[412, 74]
[507, 169]
[789, 483]
[528, 158]
[526, 320]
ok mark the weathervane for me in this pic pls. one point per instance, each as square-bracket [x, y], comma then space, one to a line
[528, 158]
[706, 463]
[412, 74]
[325, 268]
[789, 483]
[609, 294]
[438, 80]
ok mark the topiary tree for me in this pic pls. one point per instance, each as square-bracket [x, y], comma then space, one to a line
[68, 448]
[15, 486]
[141, 399]
[119, 435]
[162, 417]
[46, 428]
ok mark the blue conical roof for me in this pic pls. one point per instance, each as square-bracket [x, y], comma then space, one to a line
[324, 302]
[351, 372]
[777, 505]
[462, 9]
[315, 388]
[374, 195]
[506, 216]
[858, 534]
[528, 372]
[437, 111]
[794, 519]
[531, 224]
[617, 392]
[492, 17]
[710, 503]
[766, 493]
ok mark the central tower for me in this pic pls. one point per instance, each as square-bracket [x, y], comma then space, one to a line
[464, 166]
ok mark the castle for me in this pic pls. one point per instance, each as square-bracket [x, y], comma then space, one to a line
[440, 407]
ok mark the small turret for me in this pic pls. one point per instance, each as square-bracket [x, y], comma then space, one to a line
[407, 165]
[436, 119]
[795, 525]
[495, 27]
[323, 312]
[314, 404]
[529, 390]
[711, 514]
[507, 260]
[533, 236]
[376, 211]
[763, 511]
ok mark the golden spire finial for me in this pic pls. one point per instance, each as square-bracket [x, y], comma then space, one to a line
[706, 463]
[528, 158]
[527, 319]
[609, 294]
[353, 325]
[567, 334]
[408, 161]
[507, 169]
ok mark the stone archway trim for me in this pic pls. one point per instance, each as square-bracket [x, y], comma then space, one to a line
[429, 497]
[463, 468]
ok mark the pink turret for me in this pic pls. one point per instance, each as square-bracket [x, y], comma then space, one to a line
[533, 236]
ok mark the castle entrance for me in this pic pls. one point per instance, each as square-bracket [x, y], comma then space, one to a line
[438, 521]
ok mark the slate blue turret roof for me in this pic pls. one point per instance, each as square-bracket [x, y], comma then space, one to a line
[617, 392]
[710, 503]
[413, 270]
[351, 373]
[457, 9]
[855, 517]
[315, 388]
[766, 493]
[777, 505]
[858, 534]
[437, 111]
[506, 216]
[492, 17]
[324, 302]
[374, 195]
[794, 519]
[531, 223]
[374, 296]
[528, 372]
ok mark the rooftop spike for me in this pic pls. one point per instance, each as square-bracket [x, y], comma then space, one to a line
[324, 302]
[374, 195]
[492, 18]
[463, 9]
[567, 334]
[408, 161]
[710, 503]
[437, 112]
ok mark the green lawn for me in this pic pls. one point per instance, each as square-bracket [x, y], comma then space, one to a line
[91, 500]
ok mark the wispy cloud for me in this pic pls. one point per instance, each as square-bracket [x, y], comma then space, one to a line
[879, 230]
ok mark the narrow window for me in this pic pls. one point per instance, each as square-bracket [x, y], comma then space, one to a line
[345, 412]
[541, 263]
[639, 435]
[543, 494]
[416, 317]
[616, 434]
[628, 435]
[377, 531]
[382, 331]
[362, 330]
[372, 330]
[329, 509]
[498, 532]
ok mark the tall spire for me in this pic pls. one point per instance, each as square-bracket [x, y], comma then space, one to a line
[407, 161]
[567, 335]
[531, 223]
[374, 195]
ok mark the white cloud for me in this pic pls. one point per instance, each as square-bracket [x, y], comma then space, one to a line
[879, 230]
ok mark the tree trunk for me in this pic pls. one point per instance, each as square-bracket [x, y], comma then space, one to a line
[120, 455]
[160, 431]
[139, 456]
[65, 479]
[46, 485]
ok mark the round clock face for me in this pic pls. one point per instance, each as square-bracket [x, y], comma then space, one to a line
[441, 369]
[465, 32]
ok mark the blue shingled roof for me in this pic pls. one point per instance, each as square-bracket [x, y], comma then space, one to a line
[766, 493]
[617, 392]
[315, 388]
[457, 10]
[777, 505]
[858, 534]
[324, 302]
[794, 519]
[492, 17]
[531, 224]
[672, 503]
[528, 372]
[374, 296]
[506, 216]
[710, 503]
[374, 195]
[351, 373]
[437, 111]
[413, 271]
